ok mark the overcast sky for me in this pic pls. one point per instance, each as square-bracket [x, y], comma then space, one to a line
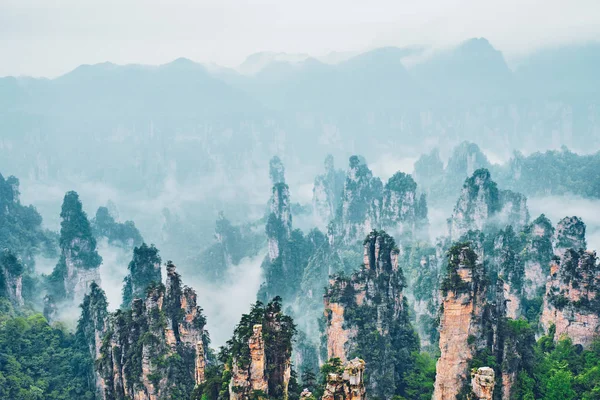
[51, 37]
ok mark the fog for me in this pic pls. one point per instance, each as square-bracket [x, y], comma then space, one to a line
[43, 40]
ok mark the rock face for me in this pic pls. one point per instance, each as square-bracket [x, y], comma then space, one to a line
[279, 224]
[570, 234]
[346, 384]
[144, 269]
[403, 212]
[367, 205]
[288, 249]
[79, 261]
[11, 277]
[152, 351]
[481, 205]
[538, 253]
[93, 326]
[361, 204]
[259, 354]
[482, 383]
[327, 192]
[254, 378]
[372, 300]
[507, 260]
[461, 321]
[572, 298]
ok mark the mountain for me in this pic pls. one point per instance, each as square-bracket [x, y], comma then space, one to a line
[471, 72]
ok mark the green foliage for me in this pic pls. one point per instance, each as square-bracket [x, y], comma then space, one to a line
[460, 255]
[278, 330]
[420, 380]
[555, 173]
[76, 233]
[123, 234]
[144, 269]
[38, 361]
[385, 338]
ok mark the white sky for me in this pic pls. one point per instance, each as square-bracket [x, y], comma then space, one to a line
[51, 37]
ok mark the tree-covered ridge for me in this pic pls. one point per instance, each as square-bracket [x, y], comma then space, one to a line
[76, 237]
[79, 262]
[553, 172]
[121, 233]
[144, 269]
[327, 191]
[21, 226]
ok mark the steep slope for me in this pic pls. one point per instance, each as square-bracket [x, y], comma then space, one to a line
[155, 350]
[366, 316]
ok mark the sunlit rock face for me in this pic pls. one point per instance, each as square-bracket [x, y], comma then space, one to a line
[245, 381]
[260, 354]
[375, 292]
[573, 296]
[461, 321]
[482, 383]
[347, 385]
[131, 347]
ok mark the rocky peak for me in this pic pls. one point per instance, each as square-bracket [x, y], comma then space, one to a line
[92, 326]
[144, 269]
[510, 268]
[367, 205]
[461, 320]
[478, 201]
[572, 298]
[402, 210]
[347, 382]
[481, 206]
[259, 354]
[361, 203]
[276, 171]
[372, 300]
[428, 168]
[466, 158]
[538, 252]
[570, 234]
[156, 348]
[327, 191]
[79, 261]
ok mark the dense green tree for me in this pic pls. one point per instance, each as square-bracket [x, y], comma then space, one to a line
[38, 361]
